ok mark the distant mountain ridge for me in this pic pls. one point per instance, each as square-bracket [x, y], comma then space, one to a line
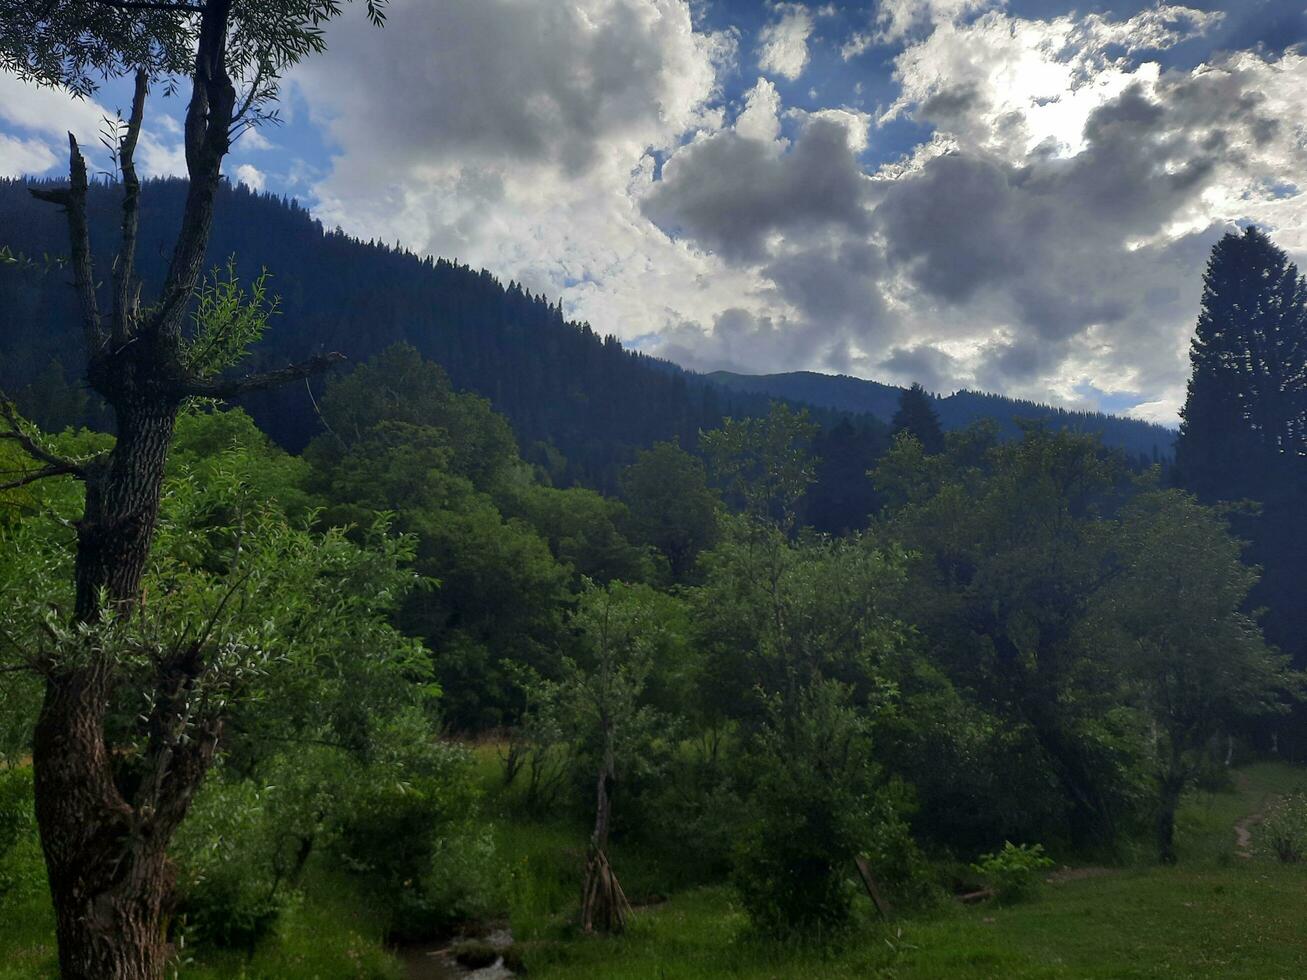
[580, 403]
[842, 393]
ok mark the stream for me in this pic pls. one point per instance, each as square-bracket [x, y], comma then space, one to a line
[435, 961]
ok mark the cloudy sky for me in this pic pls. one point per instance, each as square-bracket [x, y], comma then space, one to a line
[1013, 195]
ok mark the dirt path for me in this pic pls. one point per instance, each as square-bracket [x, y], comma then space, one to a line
[1243, 829]
[1243, 835]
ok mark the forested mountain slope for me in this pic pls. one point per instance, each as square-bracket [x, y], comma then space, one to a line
[955, 411]
[559, 383]
[579, 402]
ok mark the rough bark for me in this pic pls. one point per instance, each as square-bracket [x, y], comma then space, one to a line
[105, 839]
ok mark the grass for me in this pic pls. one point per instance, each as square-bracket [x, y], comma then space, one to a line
[1213, 915]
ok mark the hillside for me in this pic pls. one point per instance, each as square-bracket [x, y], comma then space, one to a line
[855, 395]
[580, 403]
[565, 388]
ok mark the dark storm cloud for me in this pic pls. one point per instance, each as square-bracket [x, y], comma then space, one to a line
[834, 283]
[1051, 235]
[729, 192]
[928, 366]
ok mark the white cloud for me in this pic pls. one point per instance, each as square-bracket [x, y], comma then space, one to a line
[24, 157]
[50, 114]
[251, 176]
[896, 19]
[783, 43]
[537, 177]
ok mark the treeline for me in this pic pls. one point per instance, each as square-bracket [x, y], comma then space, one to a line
[1154, 443]
[580, 404]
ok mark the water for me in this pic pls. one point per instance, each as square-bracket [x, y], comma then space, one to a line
[436, 962]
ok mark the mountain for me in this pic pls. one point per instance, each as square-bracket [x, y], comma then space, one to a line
[580, 404]
[857, 396]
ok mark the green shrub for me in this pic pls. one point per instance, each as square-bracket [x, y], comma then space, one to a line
[1283, 832]
[229, 894]
[1014, 873]
[816, 804]
[409, 828]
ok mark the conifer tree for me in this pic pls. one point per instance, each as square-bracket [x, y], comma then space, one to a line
[1246, 410]
[1244, 429]
[917, 417]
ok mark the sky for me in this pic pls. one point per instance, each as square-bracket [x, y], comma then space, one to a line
[1011, 195]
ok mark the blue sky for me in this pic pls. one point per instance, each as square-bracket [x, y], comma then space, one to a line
[1017, 196]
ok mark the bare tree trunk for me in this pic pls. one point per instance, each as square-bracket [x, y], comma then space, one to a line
[603, 904]
[1168, 802]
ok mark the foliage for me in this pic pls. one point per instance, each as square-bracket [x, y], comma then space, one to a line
[1014, 540]
[763, 465]
[1171, 619]
[229, 893]
[408, 828]
[813, 808]
[1283, 829]
[1015, 871]
[227, 322]
[584, 530]
[918, 418]
[71, 43]
[671, 505]
[599, 703]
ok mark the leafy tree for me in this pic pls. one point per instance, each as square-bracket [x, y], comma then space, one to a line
[1013, 542]
[598, 700]
[398, 385]
[818, 802]
[495, 592]
[917, 417]
[106, 843]
[584, 530]
[1172, 619]
[764, 465]
[671, 505]
[797, 636]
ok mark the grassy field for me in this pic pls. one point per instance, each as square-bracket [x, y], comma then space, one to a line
[1214, 915]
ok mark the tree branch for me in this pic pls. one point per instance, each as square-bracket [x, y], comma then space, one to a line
[180, 6]
[124, 309]
[73, 200]
[207, 139]
[219, 388]
[42, 474]
[53, 461]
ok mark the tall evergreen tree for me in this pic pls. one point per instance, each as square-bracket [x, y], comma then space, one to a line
[1246, 410]
[917, 417]
[1244, 428]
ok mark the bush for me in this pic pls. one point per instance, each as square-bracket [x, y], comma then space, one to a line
[814, 807]
[229, 893]
[409, 828]
[1014, 872]
[1284, 829]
